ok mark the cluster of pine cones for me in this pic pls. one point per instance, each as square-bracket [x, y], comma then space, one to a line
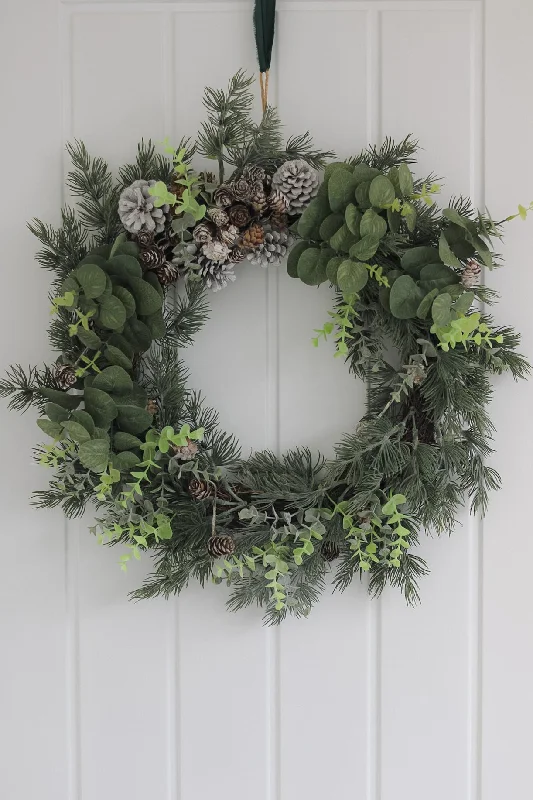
[248, 219]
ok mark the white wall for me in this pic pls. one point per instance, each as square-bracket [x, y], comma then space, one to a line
[105, 700]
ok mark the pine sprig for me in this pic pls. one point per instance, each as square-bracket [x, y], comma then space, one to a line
[91, 181]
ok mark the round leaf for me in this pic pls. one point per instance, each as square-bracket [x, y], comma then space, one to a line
[332, 268]
[84, 419]
[125, 441]
[124, 461]
[351, 276]
[405, 180]
[55, 412]
[89, 338]
[341, 187]
[415, 258]
[343, 240]
[311, 270]
[112, 313]
[330, 226]
[405, 297]
[126, 298]
[365, 248]
[76, 431]
[147, 299]
[294, 255]
[437, 276]
[117, 357]
[156, 324]
[441, 310]
[125, 267]
[312, 218]
[94, 454]
[381, 192]
[100, 406]
[423, 309]
[352, 216]
[133, 419]
[92, 279]
[373, 224]
[362, 173]
[113, 379]
[62, 399]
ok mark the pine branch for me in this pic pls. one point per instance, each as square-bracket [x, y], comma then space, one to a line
[150, 165]
[23, 386]
[185, 316]
[63, 247]
[389, 154]
[92, 182]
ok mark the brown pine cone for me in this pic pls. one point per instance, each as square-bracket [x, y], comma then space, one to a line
[204, 231]
[199, 489]
[151, 406]
[167, 273]
[65, 376]
[253, 237]
[239, 215]
[219, 546]
[223, 196]
[228, 235]
[176, 188]
[237, 254]
[330, 551]
[144, 238]
[254, 174]
[278, 202]
[152, 257]
[218, 216]
[242, 189]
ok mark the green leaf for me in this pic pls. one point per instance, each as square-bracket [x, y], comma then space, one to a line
[117, 357]
[124, 267]
[133, 419]
[351, 276]
[100, 406]
[153, 280]
[330, 226]
[423, 309]
[409, 215]
[147, 300]
[76, 431]
[127, 248]
[125, 461]
[62, 399]
[381, 192]
[334, 165]
[372, 224]
[362, 173]
[137, 334]
[94, 454]
[119, 341]
[121, 238]
[332, 267]
[52, 429]
[341, 188]
[362, 194]
[311, 269]
[405, 297]
[343, 240]
[92, 279]
[126, 298]
[89, 338]
[56, 412]
[437, 276]
[126, 441]
[415, 258]
[463, 303]
[293, 258]
[112, 313]
[352, 217]
[156, 324]
[446, 254]
[482, 250]
[84, 419]
[405, 180]
[113, 379]
[441, 310]
[313, 217]
[365, 248]
[455, 217]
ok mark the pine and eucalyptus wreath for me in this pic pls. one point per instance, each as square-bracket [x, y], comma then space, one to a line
[128, 436]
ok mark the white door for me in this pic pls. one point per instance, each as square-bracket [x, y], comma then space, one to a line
[101, 699]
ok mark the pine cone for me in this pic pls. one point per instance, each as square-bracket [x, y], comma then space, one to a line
[254, 174]
[204, 231]
[65, 376]
[278, 202]
[144, 238]
[137, 211]
[152, 407]
[223, 196]
[199, 489]
[242, 189]
[272, 250]
[215, 274]
[228, 235]
[253, 237]
[299, 183]
[152, 257]
[218, 216]
[176, 188]
[258, 198]
[239, 215]
[237, 254]
[330, 551]
[186, 452]
[216, 251]
[167, 273]
[220, 546]
[471, 274]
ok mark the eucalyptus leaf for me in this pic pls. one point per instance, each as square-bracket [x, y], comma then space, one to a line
[293, 257]
[373, 224]
[137, 334]
[463, 302]
[313, 217]
[405, 297]
[125, 460]
[365, 248]
[89, 338]
[100, 406]
[147, 300]
[405, 180]
[126, 441]
[341, 188]
[446, 254]
[76, 431]
[84, 419]
[55, 412]
[437, 276]
[53, 429]
[311, 269]
[343, 240]
[353, 217]
[362, 173]
[92, 279]
[133, 419]
[332, 268]
[112, 313]
[116, 357]
[352, 276]
[62, 399]
[94, 455]
[441, 310]
[425, 305]
[415, 258]
[330, 226]
[113, 379]
[126, 298]
[381, 192]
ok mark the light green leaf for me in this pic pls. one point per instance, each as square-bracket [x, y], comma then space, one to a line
[94, 454]
[351, 276]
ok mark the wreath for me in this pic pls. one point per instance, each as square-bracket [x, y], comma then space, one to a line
[129, 436]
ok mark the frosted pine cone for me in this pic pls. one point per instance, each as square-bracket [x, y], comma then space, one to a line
[254, 174]
[216, 251]
[167, 273]
[218, 216]
[239, 215]
[223, 196]
[243, 189]
[330, 551]
[144, 238]
[228, 235]
[65, 376]
[199, 489]
[272, 250]
[152, 257]
[216, 275]
[219, 546]
[137, 211]
[204, 231]
[471, 274]
[298, 181]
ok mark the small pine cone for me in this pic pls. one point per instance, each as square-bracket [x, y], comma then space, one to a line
[199, 489]
[144, 239]
[243, 189]
[204, 231]
[152, 257]
[215, 274]
[167, 273]
[152, 407]
[279, 222]
[216, 251]
[253, 237]
[228, 235]
[330, 551]
[220, 546]
[254, 174]
[223, 196]
[186, 452]
[298, 181]
[258, 199]
[176, 188]
[218, 216]
[239, 215]
[272, 250]
[65, 376]
[471, 274]
[278, 202]
[237, 254]
[137, 209]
